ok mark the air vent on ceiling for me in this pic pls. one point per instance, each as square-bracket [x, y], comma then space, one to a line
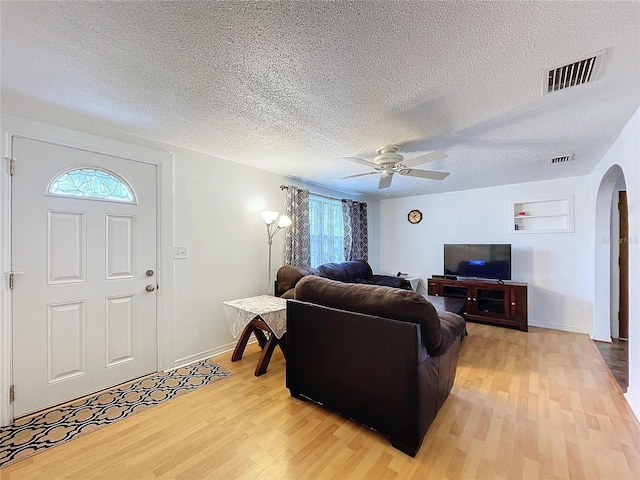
[577, 73]
[563, 159]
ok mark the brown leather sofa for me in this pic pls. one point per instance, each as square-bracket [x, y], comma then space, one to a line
[355, 271]
[379, 355]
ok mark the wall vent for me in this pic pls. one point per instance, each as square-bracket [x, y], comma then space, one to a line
[573, 74]
[563, 159]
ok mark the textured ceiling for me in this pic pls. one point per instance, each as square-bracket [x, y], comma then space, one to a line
[292, 87]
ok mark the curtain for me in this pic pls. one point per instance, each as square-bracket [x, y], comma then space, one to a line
[297, 249]
[326, 230]
[356, 236]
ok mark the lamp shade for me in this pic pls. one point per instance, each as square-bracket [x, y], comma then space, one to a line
[269, 217]
[284, 221]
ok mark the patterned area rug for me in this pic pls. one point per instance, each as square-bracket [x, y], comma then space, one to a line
[31, 435]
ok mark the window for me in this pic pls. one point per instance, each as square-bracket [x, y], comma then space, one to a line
[326, 229]
[92, 183]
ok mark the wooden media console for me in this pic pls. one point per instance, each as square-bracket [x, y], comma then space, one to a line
[503, 304]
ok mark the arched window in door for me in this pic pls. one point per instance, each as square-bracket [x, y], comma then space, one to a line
[92, 183]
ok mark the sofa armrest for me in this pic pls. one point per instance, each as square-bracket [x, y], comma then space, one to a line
[452, 327]
[288, 276]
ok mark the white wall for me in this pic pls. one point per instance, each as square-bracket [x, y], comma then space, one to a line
[558, 267]
[217, 209]
[624, 155]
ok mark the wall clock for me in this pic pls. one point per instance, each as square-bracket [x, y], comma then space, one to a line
[414, 216]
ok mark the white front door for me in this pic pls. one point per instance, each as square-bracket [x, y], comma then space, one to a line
[83, 319]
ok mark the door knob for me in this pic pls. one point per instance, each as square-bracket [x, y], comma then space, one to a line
[150, 288]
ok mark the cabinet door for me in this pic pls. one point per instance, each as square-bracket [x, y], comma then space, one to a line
[454, 289]
[435, 288]
[518, 304]
[492, 301]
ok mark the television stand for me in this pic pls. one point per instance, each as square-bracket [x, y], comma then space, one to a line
[492, 302]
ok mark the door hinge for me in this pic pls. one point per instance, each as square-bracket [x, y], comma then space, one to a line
[11, 277]
[12, 165]
[12, 393]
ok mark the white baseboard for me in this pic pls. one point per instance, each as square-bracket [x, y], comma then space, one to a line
[557, 326]
[181, 362]
[634, 401]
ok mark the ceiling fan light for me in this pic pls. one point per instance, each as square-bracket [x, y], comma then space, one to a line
[389, 162]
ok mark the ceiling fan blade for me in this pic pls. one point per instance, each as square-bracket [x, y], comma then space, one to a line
[385, 181]
[425, 174]
[358, 160]
[427, 157]
[354, 176]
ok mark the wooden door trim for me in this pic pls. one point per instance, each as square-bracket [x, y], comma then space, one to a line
[623, 253]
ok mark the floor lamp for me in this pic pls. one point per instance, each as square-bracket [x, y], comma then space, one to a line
[270, 219]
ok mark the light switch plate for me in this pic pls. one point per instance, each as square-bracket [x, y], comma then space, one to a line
[180, 252]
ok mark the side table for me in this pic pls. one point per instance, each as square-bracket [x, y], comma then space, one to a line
[265, 317]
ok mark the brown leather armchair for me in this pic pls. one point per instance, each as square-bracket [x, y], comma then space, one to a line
[379, 355]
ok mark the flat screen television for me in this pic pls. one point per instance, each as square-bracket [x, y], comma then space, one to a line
[481, 260]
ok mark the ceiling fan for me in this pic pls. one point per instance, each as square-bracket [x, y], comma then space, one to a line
[389, 162]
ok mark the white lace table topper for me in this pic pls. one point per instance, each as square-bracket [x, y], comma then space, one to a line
[414, 281]
[273, 310]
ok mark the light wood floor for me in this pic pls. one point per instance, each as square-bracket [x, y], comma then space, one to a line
[525, 405]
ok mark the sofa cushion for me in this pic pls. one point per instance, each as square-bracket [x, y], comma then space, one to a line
[357, 270]
[288, 276]
[334, 271]
[388, 302]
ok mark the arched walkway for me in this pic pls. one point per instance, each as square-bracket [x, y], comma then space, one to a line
[605, 282]
[602, 297]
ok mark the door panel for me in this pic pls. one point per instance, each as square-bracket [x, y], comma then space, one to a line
[66, 247]
[82, 319]
[121, 329]
[121, 248]
[66, 340]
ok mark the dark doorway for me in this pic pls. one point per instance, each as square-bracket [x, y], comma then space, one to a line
[623, 311]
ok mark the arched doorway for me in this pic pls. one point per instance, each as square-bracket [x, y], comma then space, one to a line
[611, 267]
